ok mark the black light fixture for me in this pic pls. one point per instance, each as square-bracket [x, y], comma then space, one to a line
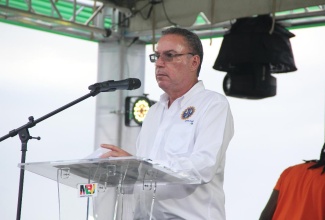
[136, 109]
[253, 49]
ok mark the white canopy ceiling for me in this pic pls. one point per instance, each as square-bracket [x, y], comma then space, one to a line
[109, 20]
[184, 12]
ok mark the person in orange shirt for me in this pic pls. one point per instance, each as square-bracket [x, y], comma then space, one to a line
[299, 193]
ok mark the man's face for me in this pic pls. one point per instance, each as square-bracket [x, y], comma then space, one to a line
[174, 67]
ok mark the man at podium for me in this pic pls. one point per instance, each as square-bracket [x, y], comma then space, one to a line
[189, 128]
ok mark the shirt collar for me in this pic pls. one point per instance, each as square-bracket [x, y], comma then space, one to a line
[198, 87]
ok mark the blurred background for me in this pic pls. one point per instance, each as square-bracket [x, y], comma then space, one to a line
[41, 72]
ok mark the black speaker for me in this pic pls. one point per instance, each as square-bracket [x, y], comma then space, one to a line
[250, 52]
[250, 82]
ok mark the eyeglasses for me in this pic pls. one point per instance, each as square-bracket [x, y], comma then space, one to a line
[166, 57]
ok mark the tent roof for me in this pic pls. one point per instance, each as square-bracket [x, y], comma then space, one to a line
[110, 19]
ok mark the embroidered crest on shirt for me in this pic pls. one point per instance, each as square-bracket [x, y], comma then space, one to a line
[188, 112]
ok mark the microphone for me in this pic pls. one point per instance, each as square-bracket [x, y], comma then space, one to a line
[111, 85]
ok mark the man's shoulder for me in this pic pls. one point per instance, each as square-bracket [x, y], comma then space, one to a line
[298, 167]
[213, 95]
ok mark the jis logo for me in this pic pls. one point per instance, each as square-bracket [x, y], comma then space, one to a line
[187, 113]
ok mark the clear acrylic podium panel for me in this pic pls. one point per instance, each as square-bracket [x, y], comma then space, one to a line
[111, 173]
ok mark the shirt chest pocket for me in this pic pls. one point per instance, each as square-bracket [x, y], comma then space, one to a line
[180, 138]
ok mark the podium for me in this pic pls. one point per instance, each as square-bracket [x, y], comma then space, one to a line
[96, 177]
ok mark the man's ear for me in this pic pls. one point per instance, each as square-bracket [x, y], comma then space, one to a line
[195, 62]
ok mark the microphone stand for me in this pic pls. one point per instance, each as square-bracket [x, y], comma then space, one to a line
[25, 136]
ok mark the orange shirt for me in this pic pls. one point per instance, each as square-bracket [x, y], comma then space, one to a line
[301, 194]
